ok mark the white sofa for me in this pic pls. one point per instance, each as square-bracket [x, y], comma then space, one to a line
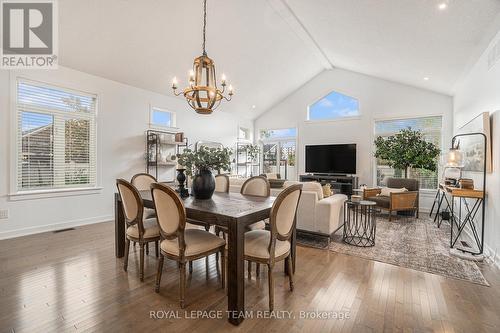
[317, 213]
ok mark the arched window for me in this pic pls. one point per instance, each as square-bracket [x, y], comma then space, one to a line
[333, 106]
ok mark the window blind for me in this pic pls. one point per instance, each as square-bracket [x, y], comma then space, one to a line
[56, 137]
[431, 128]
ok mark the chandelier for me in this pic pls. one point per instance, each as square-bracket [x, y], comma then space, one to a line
[203, 95]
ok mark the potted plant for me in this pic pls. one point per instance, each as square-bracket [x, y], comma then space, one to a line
[407, 149]
[200, 164]
[253, 151]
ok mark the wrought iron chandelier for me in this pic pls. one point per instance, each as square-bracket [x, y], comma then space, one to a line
[203, 95]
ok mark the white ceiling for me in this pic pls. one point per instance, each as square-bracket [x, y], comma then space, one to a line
[267, 53]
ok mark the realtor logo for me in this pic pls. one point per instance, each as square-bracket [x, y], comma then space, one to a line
[29, 34]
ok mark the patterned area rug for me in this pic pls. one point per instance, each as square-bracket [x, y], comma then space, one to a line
[413, 243]
[311, 240]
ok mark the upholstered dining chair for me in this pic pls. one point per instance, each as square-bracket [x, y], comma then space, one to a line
[177, 242]
[271, 246]
[143, 181]
[139, 229]
[222, 183]
[257, 186]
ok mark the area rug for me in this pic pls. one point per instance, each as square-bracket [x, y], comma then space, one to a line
[312, 240]
[413, 243]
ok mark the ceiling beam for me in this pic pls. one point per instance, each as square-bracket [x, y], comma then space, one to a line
[289, 16]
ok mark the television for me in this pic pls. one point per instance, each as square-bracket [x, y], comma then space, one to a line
[331, 159]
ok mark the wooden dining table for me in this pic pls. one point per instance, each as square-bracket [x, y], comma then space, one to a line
[232, 211]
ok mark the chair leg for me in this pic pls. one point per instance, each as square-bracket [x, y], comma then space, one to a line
[249, 270]
[290, 271]
[223, 267]
[416, 213]
[147, 248]
[390, 215]
[257, 270]
[127, 249]
[182, 291]
[271, 287]
[158, 273]
[156, 249]
[141, 274]
[190, 267]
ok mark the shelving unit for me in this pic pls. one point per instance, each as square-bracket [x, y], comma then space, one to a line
[340, 183]
[160, 146]
[243, 165]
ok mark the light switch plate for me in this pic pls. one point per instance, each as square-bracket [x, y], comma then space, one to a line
[4, 213]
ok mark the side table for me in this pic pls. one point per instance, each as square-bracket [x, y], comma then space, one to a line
[360, 223]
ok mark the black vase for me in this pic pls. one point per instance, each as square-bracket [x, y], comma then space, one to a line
[203, 184]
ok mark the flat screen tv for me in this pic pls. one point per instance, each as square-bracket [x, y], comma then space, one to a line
[331, 159]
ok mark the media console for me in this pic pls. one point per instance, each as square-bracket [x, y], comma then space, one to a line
[340, 183]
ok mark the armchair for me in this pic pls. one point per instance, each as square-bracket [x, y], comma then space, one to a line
[404, 201]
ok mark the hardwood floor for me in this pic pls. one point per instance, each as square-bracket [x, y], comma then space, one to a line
[71, 281]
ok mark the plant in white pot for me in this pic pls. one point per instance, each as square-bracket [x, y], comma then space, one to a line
[200, 164]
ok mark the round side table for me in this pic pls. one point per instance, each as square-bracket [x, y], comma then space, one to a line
[360, 223]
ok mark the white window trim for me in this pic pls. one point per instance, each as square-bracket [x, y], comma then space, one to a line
[173, 128]
[374, 159]
[357, 117]
[14, 193]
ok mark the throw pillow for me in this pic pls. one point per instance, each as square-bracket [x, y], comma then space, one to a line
[386, 191]
[327, 190]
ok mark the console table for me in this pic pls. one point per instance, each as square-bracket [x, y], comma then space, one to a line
[470, 201]
[340, 183]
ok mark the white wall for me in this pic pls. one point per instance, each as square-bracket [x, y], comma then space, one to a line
[123, 117]
[480, 92]
[378, 99]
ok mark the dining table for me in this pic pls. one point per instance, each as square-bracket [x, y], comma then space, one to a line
[234, 212]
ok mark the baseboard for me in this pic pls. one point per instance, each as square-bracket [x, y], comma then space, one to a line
[55, 226]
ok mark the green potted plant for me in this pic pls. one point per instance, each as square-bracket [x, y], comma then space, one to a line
[200, 164]
[407, 149]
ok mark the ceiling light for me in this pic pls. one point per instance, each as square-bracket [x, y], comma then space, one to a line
[254, 106]
[442, 6]
[426, 78]
[203, 94]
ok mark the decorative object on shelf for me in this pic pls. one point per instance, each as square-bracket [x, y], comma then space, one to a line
[203, 95]
[407, 149]
[179, 137]
[199, 164]
[356, 198]
[181, 178]
[360, 223]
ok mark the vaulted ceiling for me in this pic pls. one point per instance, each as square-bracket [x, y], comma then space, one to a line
[269, 48]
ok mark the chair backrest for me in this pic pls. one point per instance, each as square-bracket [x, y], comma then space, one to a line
[258, 186]
[133, 207]
[143, 181]
[283, 211]
[408, 183]
[222, 183]
[170, 213]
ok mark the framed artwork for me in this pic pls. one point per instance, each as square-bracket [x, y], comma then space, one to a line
[472, 147]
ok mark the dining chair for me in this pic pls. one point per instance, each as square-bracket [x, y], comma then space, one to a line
[177, 242]
[139, 229]
[142, 182]
[257, 186]
[222, 183]
[271, 246]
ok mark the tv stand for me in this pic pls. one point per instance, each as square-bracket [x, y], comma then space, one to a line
[340, 183]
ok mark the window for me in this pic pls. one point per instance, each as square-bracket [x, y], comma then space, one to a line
[334, 106]
[56, 137]
[431, 129]
[162, 118]
[243, 133]
[278, 133]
